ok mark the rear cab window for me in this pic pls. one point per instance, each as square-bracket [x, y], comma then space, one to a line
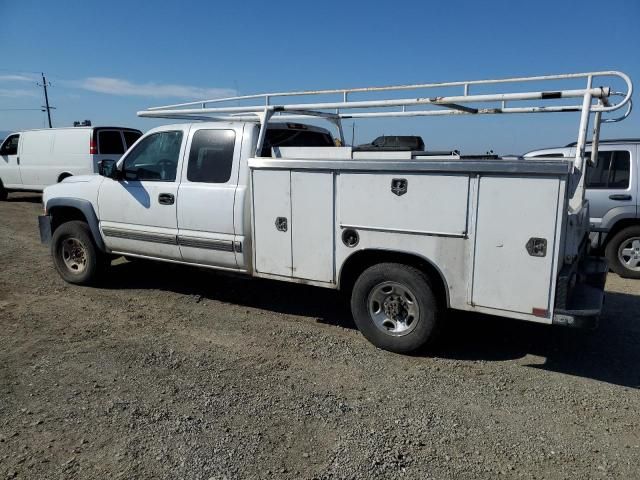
[211, 156]
[295, 137]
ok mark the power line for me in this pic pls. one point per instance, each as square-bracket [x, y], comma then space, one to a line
[16, 109]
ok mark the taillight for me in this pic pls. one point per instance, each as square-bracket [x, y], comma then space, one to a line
[92, 147]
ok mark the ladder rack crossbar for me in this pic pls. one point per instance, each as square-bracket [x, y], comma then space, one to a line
[466, 84]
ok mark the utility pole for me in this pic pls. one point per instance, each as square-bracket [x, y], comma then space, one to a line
[46, 99]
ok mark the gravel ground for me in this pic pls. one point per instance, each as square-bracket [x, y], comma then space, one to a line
[171, 372]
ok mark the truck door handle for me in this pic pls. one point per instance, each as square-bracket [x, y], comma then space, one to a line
[18, 160]
[620, 197]
[166, 199]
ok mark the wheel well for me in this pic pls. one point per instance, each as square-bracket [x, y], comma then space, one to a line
[60, 215]
[620, 225]
[64, 175]
[360, 261]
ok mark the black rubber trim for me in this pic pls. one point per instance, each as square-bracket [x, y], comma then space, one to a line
[87, 210]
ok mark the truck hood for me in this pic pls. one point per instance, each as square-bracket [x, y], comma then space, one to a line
[80, 178]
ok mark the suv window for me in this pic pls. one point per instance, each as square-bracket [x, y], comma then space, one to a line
[131, 137]
[612, 171]
[154, 158]
[211, 156]
[110, 142]
[10, 145]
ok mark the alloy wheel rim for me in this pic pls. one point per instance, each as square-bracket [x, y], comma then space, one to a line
[629, 253]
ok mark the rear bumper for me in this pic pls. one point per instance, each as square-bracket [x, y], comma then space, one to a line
[44, 224]
[580, 293]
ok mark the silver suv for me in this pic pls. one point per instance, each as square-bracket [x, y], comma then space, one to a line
[612, 190]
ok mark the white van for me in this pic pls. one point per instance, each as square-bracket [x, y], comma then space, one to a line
[33, 159]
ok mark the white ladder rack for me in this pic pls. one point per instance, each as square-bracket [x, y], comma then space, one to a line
[268, 105]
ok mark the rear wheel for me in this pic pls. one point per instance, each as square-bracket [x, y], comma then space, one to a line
[3, 192]
[623, 252]
[75, 254]
[395, 308]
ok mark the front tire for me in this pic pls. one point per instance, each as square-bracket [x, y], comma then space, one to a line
[394, 307]
[3, 193]
[623, 252]
[75, 255]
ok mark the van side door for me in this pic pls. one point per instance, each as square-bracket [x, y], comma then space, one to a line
[206, 196]
[9, 163]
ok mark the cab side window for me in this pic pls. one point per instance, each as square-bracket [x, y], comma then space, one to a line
[211, 156]
[155, 158]
[612, 171]
[10, 145]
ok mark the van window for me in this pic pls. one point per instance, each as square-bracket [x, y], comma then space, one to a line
[131, 137]
[211, 156]
[154, 158]
[10, 145]
[612, 171]
[110, 142]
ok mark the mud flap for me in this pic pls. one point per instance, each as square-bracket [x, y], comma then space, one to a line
[44, 224]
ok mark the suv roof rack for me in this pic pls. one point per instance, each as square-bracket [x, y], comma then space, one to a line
[609, 140]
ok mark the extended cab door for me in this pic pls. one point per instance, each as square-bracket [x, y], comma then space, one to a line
[138, 212]
[9, 164]
[206, 197]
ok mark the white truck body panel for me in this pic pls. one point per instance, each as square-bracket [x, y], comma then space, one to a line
[434, 204]
[505, 276]
[313, 226]
[464, 225]
[272, 201]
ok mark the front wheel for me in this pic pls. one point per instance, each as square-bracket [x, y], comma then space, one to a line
[3, 192]
[75, 254]
[394, 306]
[623, 252]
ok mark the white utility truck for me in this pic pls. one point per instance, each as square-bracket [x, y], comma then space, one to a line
[408, 234]
[32, 159]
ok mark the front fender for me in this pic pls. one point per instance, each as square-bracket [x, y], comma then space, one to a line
[86, 208]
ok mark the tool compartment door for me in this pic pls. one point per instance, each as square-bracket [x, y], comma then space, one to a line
[272, 221]
[511, 212]
[313, 225]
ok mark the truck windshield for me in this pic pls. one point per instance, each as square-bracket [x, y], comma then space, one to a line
[282, 137]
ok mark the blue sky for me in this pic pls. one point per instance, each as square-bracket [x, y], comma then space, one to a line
[107, 60]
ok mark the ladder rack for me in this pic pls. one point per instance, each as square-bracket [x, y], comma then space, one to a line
[267, 106]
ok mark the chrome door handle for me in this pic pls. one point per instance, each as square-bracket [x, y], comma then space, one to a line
[166, 199]
[621, 197]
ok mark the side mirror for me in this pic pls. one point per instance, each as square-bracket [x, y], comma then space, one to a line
[107, 168]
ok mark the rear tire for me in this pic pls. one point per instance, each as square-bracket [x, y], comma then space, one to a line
[623, 252]
[395, 307]
[3, 193]
[75, 255]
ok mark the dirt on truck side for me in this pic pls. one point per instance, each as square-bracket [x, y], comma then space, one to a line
[165, 371]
